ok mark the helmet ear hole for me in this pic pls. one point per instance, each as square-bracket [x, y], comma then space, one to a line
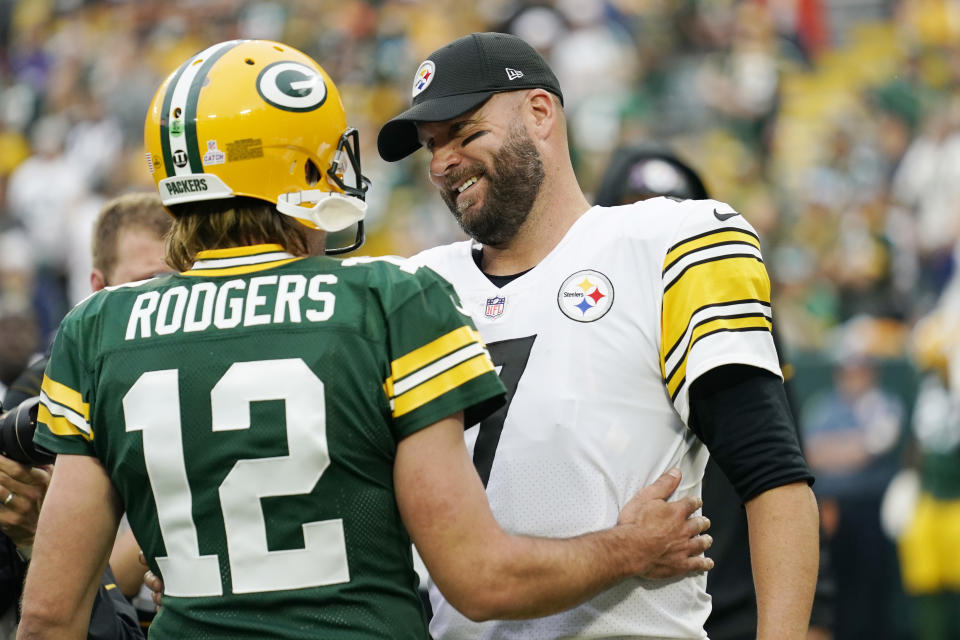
[312, 173]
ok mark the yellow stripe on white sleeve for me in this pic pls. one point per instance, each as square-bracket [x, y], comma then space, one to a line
[676, 377]
[719, 282]
[719, 237]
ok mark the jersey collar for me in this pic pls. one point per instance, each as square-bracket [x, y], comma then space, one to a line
[239, 260]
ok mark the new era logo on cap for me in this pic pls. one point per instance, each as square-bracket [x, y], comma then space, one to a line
[513, 74]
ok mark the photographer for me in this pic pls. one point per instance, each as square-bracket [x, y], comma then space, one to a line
[127, 246]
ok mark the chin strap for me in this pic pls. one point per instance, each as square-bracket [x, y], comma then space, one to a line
[332, 212]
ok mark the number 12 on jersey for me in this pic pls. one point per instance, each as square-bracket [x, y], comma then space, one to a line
[152, 406]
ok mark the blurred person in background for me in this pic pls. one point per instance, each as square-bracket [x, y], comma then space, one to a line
[851, 436]
[40, 194]
[930, 530]
[584, 426]
[127, 246]
[641, 172]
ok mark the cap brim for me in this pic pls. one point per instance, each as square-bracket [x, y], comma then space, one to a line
[398, 137]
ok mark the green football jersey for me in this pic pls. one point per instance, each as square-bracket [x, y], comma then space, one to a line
[248, 413]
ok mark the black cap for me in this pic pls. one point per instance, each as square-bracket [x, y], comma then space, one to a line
[460, 76]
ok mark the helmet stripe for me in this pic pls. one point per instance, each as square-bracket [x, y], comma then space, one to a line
[165, 122]
[177, 150]
[193, 145]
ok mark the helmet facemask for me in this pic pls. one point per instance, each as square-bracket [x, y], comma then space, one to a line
[333, 210]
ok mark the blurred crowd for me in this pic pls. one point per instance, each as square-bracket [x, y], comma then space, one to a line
[832, 125]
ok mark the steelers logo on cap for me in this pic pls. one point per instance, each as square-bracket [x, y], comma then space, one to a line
[585, 296]
[423, 77]
[292, 86]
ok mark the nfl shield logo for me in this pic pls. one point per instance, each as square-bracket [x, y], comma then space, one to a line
[494, 307]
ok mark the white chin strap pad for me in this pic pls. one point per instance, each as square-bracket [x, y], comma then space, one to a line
[332, 212]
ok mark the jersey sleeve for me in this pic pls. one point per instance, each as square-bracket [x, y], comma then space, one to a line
[716, 299]
[63, 417]
[439, 364]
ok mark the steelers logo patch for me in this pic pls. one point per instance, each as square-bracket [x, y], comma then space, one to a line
[292, 86]
[423, 77]
[585, 296]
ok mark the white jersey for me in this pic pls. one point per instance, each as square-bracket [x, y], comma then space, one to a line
[598, 345]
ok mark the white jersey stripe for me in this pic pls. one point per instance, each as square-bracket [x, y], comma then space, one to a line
[220, 263]
[178, 105]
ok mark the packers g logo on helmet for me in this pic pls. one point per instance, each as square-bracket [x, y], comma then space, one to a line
[292, 86]
[258, 119]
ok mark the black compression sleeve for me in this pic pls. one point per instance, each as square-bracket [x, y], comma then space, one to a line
[741, 413]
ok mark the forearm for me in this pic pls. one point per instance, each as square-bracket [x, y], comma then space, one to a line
[77, 526]
[784, 553]
[125, 564]
[534, 577]
[58, 623]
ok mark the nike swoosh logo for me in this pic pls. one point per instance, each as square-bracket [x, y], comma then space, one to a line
[724, 216]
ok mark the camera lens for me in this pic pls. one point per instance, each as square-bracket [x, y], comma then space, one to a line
[16, 435]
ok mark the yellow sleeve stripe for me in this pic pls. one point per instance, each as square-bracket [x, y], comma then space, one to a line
[421, 357]
[441, 384]
[727, 235]
[59, 426]
[727, 309]
[240, 270]
[65, 396]
[237, 252]
[678, 376]
[717, 282]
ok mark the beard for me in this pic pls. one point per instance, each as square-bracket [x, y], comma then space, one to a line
[514, 182]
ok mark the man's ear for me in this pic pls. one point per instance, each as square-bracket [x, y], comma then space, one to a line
[543, 109]
[97, 280]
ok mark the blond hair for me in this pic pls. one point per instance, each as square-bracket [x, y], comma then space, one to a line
[219, 224]
[128, 211]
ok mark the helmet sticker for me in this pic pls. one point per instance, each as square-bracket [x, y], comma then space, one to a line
[292, 86]
[150, 162]
[180, 158]
[423, 77]
[585, 296]
[213, 155]
[244, 149]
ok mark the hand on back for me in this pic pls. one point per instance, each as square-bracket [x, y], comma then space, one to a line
[669, 539]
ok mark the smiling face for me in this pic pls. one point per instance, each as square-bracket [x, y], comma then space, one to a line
[486, 167]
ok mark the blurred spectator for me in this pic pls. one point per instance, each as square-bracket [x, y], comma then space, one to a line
[928, 539]
[851, 435]
[41, 192]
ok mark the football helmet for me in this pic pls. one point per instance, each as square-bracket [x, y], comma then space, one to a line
[259, 119]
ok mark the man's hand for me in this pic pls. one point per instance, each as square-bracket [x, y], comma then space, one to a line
[153, 582]
[667, 535]
[18, 514]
